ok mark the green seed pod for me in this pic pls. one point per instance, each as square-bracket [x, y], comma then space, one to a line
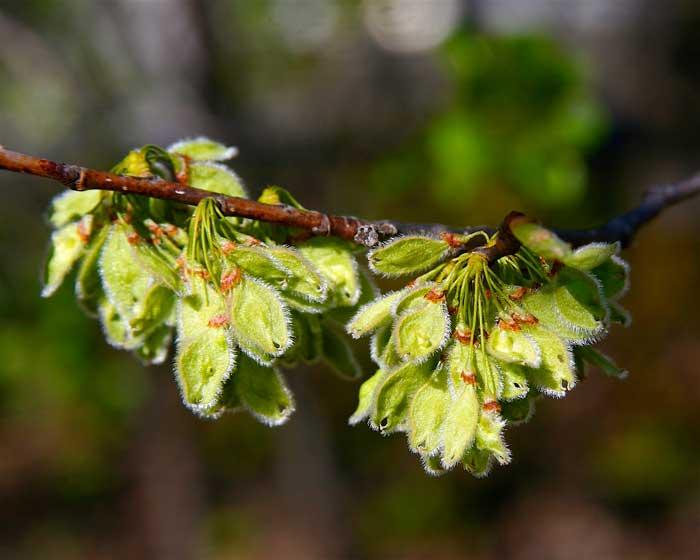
[412, 298]
[116, 329]
[263, 392]
[154, 348]
[203, 149]
[368, 293]
[432, 465]
[422, 331]
[402, 256]
[614, 277]
[334, 261]
[394, 395]
[259, 319]
[337, 352]
[88, 284]
[477, 462]
[67, 246]
[556, 373]
[513, 346]
[541, 241]
[307, 344]
[519, 411]
[373, 315]
[367, 397]
[383, 349]
[514, 379]
[427, 413]
[153, 310]
[489, 436]
[70, 206]
[579, 303]
[216, 178]
[259, 262]
[124, 280]
[592, 255]
[460, 425]
[305, 281]
[157, 264]
[601, 361]
[542, 305]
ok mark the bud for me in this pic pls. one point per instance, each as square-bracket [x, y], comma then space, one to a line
[556, 374]
[304, 281]
[513, 346]
[460, 425]
[334, 261]
[88, 284]
[216, 178]
[592, 255]
[407, 255]
[67, 246]
[373, 315]
[258, 262]
[422, 331]
[427, 413]
[203, 149]
[540, 240]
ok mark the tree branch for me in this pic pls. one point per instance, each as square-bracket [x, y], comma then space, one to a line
[368, 233]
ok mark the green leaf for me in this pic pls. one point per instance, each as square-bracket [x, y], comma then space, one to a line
[367, 397]
[216, 178]
[541, 241]
[422, 331]
[394, 395]
[259, 319]
[601, 361]
[542, 305]
[407, 255]
[578, 300]
[460, 425]
[70, 206]
[258, 262]
[619, 314]
[513, 346]
[556, 374]
[337, 352]
[427, 412]
[373, 315]
[592, 255]
[88, 284]
[263, 392]
[67, 246]
[336, 264]
[203, 149]
[614, 277]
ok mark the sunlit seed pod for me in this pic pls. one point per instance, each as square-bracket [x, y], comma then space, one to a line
[422, 331]
[513, 346]
[427, 412]
[601, 361]
[578, 300]
[67, 246]
[402, 256]
[88, 284]
[514, 380]
[460, 425]
[337, 266]
[592, 255]
[367, 397]
[394, 395]
[556, 374]
[154, 348]
[305, 281]
[477, 462]
[262, 391]
[489, 435]
[216, 178]
[540, 240]
[260, 263]
[337, 353]
[259, 318]
[70, 206]
[613, 275]
[202, 364]
[152, 310]
[203, 149]
[124, 280]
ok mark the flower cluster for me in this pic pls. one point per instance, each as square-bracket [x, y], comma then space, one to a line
[466, 348]
[239, 301]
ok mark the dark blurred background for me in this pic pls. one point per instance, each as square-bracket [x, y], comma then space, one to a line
[432, 110]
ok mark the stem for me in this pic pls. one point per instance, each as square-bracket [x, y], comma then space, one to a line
[368, 233]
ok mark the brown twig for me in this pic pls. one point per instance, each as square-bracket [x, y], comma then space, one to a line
[368, 233]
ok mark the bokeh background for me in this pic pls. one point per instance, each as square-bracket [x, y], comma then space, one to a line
[429, 110]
